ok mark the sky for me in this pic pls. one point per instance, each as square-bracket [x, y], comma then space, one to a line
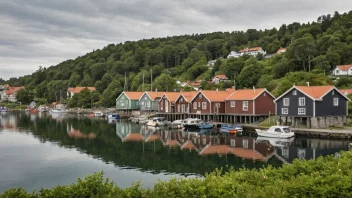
[37, 33]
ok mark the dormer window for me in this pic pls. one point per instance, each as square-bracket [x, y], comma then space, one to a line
[200, 96]
[294, 92]
[333, 92]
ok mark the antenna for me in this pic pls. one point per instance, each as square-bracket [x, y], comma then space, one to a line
[307, 84]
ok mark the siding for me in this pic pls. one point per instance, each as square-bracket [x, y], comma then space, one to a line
[163, 103]
[179, 103]
[199, 107]
[238, 109]
[264, 104]
[123, 102]
[144, 103]
[293, 105]
[327, 108]
[221, 109]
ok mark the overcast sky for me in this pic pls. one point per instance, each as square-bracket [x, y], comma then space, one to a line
[47, 32]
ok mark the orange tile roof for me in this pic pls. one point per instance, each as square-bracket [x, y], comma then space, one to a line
[79, 89]
[222, 77]
[152, 138]
[230, 90]
[215, 149]
[346, 91]
[172, 143]
[344, 67]
[12, 90]
[154, 95]
[133, 95]
[315, 92]
[251, 49]
[188, 95]
[247, 153]
[215, 96]
[245, 94]
[172, 96]
[189, 145]
[281, 50]
[133, 137]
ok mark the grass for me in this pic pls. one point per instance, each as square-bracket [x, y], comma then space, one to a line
[269, 122]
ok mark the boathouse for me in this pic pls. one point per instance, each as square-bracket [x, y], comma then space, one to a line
[128, 100]
[149, 101]
[182, 102]
[209, 102]
[312, 107]
[250, 102]
[167, 102]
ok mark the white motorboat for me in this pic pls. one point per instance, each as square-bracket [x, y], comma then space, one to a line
[98, 114]
[58, 110]
[277, 142]
[177, 124]
[157, 121]
[139, 120]
[276, 132]
[43, 108]
[191, 123]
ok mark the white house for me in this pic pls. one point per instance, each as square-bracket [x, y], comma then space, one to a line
[211, 63]
[281, 50]
[342, 70]
[250, 51]
[219, 78]
[10, 94]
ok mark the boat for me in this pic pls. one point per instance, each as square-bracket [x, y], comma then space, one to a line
[191, 123]
[139, 120]
[206, 125]
[97, 114]
[43, 108]
[276, 132]
[4, 109]
[231, 129]
[114, 116]
[58, 110]
[157, 121]
[177, 124]
[277, 142]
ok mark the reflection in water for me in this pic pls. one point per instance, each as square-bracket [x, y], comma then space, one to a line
[163, 151]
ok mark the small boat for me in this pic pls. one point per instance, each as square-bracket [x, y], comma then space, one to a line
[4, 109]
[97, 114]
[206, 125]
[139, 120]
[43, 108]
[157, 121]
[58, 110]
[277, 142]
[231, 129]
[276, 132]
[114, 116]
[191, 123]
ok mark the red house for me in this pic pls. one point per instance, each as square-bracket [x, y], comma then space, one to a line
[182, 104]
[209, 102]
[250, 102]
[167, 102]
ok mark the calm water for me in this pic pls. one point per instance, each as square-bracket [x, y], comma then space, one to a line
[43, 151]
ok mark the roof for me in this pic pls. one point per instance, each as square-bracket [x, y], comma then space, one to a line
[12, 90]
[153, 95]
[172, 143]
[152, 138]
[79, 89]
[133, 95]
[133, 137]
[344, 67]
[189, 145]
[281, 50]
[215, 149]
[172, 96]
[222, 77]
[214, 95]
[246, 94]
[346, 91]
[247, 153]
[250, 49]
[188, 95]
[314, 92]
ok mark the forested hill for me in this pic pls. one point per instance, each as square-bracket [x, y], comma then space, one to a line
[312, 50]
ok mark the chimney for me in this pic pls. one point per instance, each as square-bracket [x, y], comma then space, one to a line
[253, 89]
[234, 84]
[307, 84]
[156, 90]
[217, 89]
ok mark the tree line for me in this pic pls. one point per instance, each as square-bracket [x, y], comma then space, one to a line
[313, 49]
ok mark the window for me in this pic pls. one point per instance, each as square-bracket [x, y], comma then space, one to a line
[199, 104]
[142, 103]
[284, 111]
[337, 71]
[178, 108]
[245, 105]
[336, 101]
[301, 111]
[264, 94]
[301, 153]
[181, 100]
[245, 144]
[204, 105]
[278, 130]
[149, 103]
[294, 92]
[195, 105]
[233, 103]
[233, 142]
[302, 101]
[333, 92]
[285, 153]
[286, 102]
[200, 96]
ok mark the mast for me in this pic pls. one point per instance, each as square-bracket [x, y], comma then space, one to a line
[151, 80]
[143, 82]
[125, 87]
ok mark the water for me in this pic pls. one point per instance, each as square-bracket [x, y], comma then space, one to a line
[44, 150]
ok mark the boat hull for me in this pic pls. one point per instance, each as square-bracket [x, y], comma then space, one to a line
[188, 127]
[262, 133]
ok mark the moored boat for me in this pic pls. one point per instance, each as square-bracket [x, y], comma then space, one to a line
[139, 119]
[97, 114]
[58, 110]
[157, 121]
[231, 129]
[191, 123]
[206, 125]
[114, 116]
[43, 108]
[4, 109]
[276, 132]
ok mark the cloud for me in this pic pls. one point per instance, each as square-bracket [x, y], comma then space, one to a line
[45, 33]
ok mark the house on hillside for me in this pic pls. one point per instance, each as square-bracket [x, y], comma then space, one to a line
[128, 100]
[346, 92]
[167, 102]
[312, 106]
[219, 78]
[71, 91]
[250, 102]
[209, 102]
[250, 51]
[182, 103]
[281, 50]
[342, 70]
[10, 93]
[149, 101]
[211, 63]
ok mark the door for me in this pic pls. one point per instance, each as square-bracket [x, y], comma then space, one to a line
[178, 107]
[166, 106]
[183, 108]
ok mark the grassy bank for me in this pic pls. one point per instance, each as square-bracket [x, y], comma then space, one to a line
[324, 177]
[14, 106]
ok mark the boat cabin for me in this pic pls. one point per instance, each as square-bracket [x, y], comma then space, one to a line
[280, 129]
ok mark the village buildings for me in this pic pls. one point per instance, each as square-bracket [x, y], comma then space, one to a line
[71, 91]
[342, 70]
[128, 100]
[250, 51]
[9, 93]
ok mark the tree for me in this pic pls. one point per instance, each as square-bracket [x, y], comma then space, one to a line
[164, 82]
[24, 96]
[111, 93]
[250, 74]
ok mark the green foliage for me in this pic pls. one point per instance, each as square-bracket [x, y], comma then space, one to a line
[323, 177]
[24, 96]
[111, 93]
[164, 82]
[84, 99]
[250, 74]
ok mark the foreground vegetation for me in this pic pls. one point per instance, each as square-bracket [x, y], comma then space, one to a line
[325, 177]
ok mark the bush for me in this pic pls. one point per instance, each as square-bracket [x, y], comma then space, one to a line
[324, 177]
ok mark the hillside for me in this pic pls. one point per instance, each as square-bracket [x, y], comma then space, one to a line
[312, 50]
